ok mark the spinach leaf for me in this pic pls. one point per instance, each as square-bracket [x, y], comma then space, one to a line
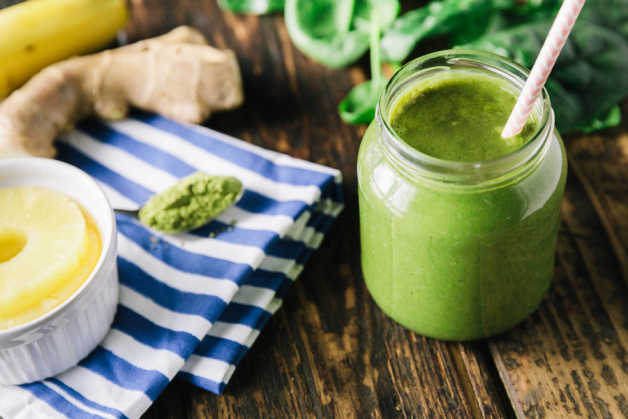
[502, 14]
[386, 12]
[332, 32]
[359, 105]
[257, 7]
[586, 82]
[437, 17]
[462, 20]
[612, 14]
[612, 118]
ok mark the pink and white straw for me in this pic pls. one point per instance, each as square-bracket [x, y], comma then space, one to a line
[543, 65]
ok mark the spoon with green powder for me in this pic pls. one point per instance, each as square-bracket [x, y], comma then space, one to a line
[191, 203]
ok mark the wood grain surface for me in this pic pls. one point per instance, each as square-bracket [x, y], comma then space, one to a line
[330, 352]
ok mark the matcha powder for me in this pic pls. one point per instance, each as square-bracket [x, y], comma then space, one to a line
[191, 203]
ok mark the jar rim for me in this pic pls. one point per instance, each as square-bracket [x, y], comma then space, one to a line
[472, 172]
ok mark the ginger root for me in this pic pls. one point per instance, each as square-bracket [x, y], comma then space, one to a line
[176, 75]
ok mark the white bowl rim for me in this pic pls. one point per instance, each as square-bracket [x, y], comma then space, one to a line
[107, 239]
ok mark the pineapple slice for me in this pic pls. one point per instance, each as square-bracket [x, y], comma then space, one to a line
[43, 243]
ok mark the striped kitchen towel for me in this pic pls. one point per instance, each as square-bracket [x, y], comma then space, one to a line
[191, 305]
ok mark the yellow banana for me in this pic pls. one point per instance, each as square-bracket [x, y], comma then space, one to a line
[36, 33]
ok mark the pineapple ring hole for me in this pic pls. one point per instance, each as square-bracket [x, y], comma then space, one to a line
[11, 244]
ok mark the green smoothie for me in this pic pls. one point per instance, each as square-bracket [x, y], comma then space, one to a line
[458, 115]
[452, 260]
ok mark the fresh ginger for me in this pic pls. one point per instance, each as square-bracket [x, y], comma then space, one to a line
[176, 75]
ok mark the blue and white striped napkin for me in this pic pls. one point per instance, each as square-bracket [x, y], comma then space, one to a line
[191, 305]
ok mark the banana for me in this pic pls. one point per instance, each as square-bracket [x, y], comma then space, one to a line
[36, 33]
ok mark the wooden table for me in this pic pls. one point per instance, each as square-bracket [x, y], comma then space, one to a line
[330, 351]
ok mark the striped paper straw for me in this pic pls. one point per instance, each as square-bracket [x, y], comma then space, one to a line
[543, 65]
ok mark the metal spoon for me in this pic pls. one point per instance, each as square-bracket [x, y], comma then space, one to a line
[131, 213]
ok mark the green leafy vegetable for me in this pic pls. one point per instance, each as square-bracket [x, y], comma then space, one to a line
[462, 20]
[257, 7]
[438, 17]
[612, 14]
[320, 29]
[612, 118]
[585, 86]
[359, 105]
[366, 10]
[587, 80]
[335, 33]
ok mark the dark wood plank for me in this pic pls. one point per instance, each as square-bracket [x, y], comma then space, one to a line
[484, 384]
[600, 162]
[569, 358]
[329, 352]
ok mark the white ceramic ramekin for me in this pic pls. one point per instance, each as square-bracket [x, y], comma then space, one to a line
[61, 338]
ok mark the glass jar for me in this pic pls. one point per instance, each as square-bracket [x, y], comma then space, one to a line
[459, 250]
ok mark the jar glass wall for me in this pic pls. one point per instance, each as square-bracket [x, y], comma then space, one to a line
[458, 250]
